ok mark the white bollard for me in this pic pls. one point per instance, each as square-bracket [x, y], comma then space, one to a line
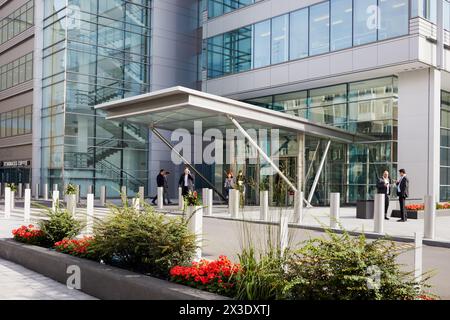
[36, 191]
[230, 201]
[378, 214]
[136, 204]
[46, 191]
[90, 189]
[90, 214]
[264, 205]
[78, 193]
[160, 198]
[235, 207]
[72, 203]
[209, 202]
[13, 200]
[55, 187]
[20, 191]
[55, 200]
[298, 207]
[204, 196]
[27, 206]
[418, 255]
[430, 218]
[195, 225]
[123, 191]
[180, 199]
[141, 196]
[335, 207]
[7, 203]
[284, 231]
[103, 196]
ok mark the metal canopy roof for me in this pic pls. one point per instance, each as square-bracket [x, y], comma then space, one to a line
[179, 107]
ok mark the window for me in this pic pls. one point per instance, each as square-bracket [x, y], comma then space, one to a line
[262, 44]
[219, 7]
[17, 22]
[16, 72]
[366, 21]
[319, 26]
[299, 31]
[280, 44]
[16, 122]
[341, 24]
[394, 19]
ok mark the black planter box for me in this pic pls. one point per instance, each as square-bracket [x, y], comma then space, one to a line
[98, 280]
[365, 209]
[409, 213]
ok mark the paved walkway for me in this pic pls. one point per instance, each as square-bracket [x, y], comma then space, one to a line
[315, 217]
[18, 283]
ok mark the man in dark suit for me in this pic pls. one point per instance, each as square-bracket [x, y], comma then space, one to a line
[403, 193]
[384, 186]
[160, 180]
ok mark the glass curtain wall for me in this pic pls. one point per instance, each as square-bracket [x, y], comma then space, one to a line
[325, 27]
[367, 107]
[94, 52]
[445, 147]
[219, 7]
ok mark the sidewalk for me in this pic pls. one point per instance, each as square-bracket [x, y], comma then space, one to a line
[18, 283]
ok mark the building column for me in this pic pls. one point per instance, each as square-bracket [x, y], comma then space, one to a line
[419, 113]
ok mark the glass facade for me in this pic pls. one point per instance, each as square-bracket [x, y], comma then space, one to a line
[220, 7]
[17, 22]
[16, 72]
[16, 122]
[445, 147]
[427, 9]
[366, 107]
[94, 52]
[325, 27]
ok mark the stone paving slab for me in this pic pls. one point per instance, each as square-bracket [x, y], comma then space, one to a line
[19, 283]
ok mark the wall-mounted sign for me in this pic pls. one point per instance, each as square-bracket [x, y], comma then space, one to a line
[15, 163]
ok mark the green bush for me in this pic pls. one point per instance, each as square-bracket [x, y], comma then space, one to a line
[59, 225]
[262, 275]
[143, 241]
[341, 267]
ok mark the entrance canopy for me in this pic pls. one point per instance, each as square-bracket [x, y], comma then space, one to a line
[179, 107]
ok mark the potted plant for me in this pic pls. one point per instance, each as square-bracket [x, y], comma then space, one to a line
[193, 212]
[13, 189]
[71, 198]
[264, 200]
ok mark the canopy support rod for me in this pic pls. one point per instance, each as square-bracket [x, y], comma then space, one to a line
[187, 163]
[319, 172]
[262, 153]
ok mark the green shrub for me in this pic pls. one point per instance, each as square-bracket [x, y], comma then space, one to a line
[143, 241]
[59, 225]
[262, 275]
[341, 267]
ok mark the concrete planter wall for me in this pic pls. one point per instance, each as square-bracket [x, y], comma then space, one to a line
[98, 280]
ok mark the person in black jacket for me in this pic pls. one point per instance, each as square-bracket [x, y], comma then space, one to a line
[403, 193]
[384, 186]
[186, 182]
[160, 181]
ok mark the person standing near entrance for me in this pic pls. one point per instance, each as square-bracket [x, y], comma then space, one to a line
[384, 187]
[403, 193]
[159, 183]
[186, 182]
[229, 184]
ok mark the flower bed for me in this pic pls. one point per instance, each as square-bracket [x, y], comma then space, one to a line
[217, 276]
[76, 247]
[29, 235]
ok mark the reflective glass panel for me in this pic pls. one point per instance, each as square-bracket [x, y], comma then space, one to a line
[319, 28]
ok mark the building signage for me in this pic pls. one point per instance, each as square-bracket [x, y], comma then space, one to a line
[15, 163]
